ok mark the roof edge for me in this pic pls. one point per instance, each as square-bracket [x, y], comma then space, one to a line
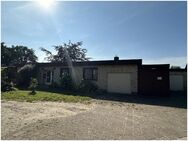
[101, 62]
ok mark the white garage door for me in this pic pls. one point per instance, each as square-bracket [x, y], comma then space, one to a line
[176, 82]
[119, 83]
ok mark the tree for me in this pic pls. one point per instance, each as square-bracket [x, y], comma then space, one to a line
[23, 55]
[67, 82]
[5, 54]
[16, 55]
[6, 79]
[66, 52]
[25, 74]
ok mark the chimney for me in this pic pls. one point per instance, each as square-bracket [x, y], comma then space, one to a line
[116, 58]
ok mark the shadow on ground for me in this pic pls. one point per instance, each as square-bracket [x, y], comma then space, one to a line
[175, 99]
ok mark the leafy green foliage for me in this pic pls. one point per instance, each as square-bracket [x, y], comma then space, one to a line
[87, 86]
[16, 55]
[33, 85]
[67, 52]
[6, 86]
[54, 85]
[5, 54]
[8, 73]
[67, 83]
[7, 76]
[25, 74]
[42, 96]
[4, 73]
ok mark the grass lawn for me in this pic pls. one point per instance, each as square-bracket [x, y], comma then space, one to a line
[23, 95]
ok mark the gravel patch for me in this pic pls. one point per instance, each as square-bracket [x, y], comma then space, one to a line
[98, 120]
[17, 115]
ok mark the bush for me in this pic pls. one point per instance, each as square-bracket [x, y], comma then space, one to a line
[4, 74]
[33, 85]
[87, 86]
[25, 74]
[6, 86]
[67, 83]
[8, 73]
[54, 85]
[6, 79]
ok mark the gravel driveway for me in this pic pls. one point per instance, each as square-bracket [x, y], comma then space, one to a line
[99, 120]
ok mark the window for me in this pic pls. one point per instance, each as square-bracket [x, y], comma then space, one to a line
[90, 73]
[44, 75]
[64, 72]
[48, 77]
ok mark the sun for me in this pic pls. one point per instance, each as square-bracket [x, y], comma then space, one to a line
[46, 4]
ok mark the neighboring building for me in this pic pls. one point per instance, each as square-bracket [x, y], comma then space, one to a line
[116, 76]
[154, 80]
[178, 79]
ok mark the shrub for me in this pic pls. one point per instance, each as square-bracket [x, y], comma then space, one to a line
[6, 79]
[67, 83]
[33, 85]
[87, 86]
[54, 85]
[6, 86]
[8, 73]
[4, 73]
[25, 74]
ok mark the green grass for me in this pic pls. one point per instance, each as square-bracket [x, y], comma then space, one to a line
[23, 95]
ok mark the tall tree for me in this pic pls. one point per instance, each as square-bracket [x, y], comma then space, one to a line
[16, 55]
[66, 52]
[22, 55]
[5, 54]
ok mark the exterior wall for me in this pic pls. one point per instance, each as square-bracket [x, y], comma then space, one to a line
[41, 71]
[103, 70]
[184, 74]
[154, 80]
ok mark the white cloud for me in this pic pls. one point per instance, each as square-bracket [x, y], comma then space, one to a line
[173, 61]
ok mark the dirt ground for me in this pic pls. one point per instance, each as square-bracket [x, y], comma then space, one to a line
[99, 120]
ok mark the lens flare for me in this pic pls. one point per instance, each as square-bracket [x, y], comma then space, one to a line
[46, 4]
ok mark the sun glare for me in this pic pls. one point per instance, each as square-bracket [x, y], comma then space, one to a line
[46, 4]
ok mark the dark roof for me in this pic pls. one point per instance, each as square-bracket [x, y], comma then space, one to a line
[178, 70]
[96, 63]
[156, 66]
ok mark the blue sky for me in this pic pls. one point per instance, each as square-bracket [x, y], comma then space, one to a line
[152, 31]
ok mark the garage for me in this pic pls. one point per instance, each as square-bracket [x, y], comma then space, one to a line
[119, 83]
[176, 82]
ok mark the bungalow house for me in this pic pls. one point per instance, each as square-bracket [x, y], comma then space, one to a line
[118, 76]
[114, 76]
